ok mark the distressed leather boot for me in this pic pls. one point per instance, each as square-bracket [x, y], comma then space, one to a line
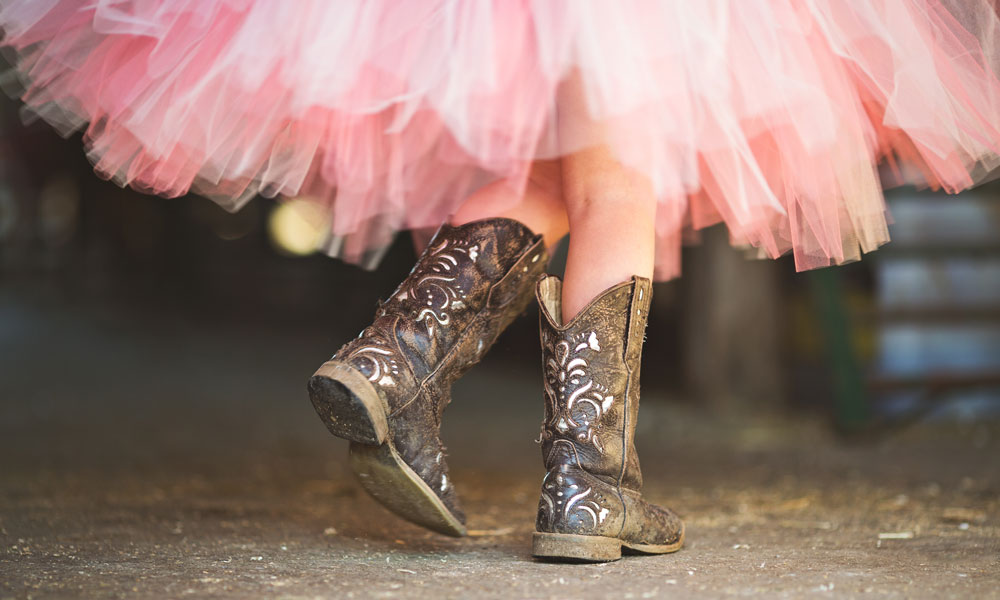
[386, 390]
[591, 506]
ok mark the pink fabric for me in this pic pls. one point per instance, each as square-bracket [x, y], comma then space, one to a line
[770, 116]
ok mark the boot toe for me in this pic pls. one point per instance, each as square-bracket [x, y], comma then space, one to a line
[387, 477]
[649, 525]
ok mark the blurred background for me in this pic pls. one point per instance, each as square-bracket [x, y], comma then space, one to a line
[912, 332]
[831, 428]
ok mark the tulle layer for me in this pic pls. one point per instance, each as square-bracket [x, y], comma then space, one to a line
[770, 116]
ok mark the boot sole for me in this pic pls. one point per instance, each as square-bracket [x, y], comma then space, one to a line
[352, 409]
[392, 482]
[348, 404]
[592, 548]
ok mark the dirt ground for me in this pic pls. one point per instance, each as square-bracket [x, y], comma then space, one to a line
[144, 458]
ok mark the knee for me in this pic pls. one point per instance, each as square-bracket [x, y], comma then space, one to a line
[546, 178]
[597, 182]
[609, 198]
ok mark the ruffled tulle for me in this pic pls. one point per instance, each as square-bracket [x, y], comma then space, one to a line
[771, 116]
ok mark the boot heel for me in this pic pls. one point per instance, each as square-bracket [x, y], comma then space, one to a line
[583, 548]
[348, 403]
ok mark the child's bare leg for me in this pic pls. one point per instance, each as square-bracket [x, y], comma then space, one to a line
[611, 210]
[591, 358]
[540, 208]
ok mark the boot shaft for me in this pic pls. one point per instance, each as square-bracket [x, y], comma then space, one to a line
[469, 283]
[591, 380]
[590, 505]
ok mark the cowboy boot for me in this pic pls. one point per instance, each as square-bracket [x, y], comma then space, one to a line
[591, 506]
[386, 390]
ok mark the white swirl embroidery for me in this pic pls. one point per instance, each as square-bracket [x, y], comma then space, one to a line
[575, 400]
[379, 359]
[577, 502]
[434, 282]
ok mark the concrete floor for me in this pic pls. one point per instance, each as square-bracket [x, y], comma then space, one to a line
[148, 456]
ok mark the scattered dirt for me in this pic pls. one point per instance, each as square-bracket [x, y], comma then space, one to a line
[150, 461]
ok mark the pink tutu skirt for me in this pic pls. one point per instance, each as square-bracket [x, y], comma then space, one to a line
[772, 116]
